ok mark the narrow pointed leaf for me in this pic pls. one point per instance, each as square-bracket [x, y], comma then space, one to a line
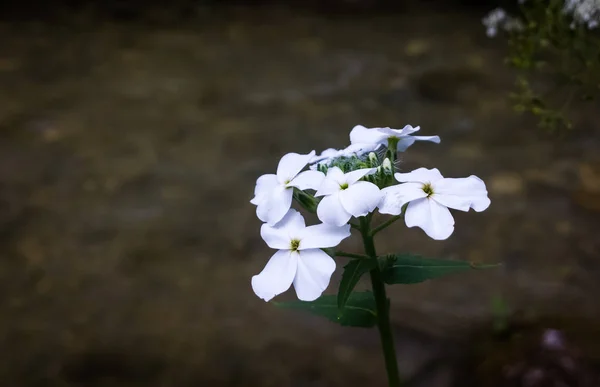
[413, 269]
[359, 310]
[329, 251]
[352, 273]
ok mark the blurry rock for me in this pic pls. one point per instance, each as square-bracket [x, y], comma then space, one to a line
[506, 184]
[589, 176]
[451, 85]
[588, 200]
[534, 357]
[417, 47]
[470, 151]
[553, 340]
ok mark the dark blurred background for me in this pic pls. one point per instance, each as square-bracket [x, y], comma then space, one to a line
[131, 136]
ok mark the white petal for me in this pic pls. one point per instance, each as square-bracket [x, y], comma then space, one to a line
[407, 141]
[409, 129]
[314, 272]
[264, 185]
[360, 198]
[275, 238]
[462, 194]
[331, 211]
[396, 196]
[275, 205]
[432, 217]
[326, 154]
[389, 132]
[435, 139]
[404, 143]
[308, 180]
[292, 222]
[331, 183]
[277, 276]
[359, 149]
[362, 135]
[335, 174]
[420, 175]
[323, 235]
[280, 235]
[354, 176]
[291, 164]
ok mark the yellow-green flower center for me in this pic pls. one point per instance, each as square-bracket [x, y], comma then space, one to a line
[428, 189]
[344, 185]
[294, 244]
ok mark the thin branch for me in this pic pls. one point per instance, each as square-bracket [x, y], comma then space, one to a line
[385, 224]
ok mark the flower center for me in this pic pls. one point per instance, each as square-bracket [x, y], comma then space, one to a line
[344, 186]
[294, 244]
[428, 189]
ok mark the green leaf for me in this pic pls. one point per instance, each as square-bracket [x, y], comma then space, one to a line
[329, 251]
[352, 273]
[359, 310]
[412, 269]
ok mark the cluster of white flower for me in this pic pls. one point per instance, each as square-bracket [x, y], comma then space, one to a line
[498, 19]
[352, 182]
[584, 12]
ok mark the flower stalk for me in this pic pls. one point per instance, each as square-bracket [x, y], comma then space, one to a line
[381, 301]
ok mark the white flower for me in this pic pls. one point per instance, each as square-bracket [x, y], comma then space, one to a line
[346, 196]
[429, 195]
[493, 20]
[584, 12]
[499, 19]
[300, 259]
[273, 193]
[330, 154]
[362, 135]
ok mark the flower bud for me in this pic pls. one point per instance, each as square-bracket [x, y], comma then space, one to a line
[307, 201]
[373, 159]
[387, 166]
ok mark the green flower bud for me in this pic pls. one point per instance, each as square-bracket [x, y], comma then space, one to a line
[387, 166]
[307, 201]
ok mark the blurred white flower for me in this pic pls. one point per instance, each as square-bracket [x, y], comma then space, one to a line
[585, 12]
[429, 195]
[380, 136]
[498, 19]
[346, 196]
[273, 193]
[299, 259]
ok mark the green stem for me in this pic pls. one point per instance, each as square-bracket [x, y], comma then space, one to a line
[350, 255]
[381, 303]
[385, 224]
[392, 149]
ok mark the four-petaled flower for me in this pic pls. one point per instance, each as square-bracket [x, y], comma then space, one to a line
[273, 193]
[362, 135]
[300, 259]
[429, 195]
[346, 196]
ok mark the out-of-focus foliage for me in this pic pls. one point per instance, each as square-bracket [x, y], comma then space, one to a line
[552, 43]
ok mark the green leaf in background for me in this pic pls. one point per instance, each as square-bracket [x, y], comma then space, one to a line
[359, 310]
[412, 269]
[352, 273]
